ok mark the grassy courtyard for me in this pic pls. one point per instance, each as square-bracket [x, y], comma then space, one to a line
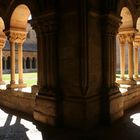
[29, 78]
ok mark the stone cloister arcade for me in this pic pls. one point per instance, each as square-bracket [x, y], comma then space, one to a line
[129, 37]
[76, 55]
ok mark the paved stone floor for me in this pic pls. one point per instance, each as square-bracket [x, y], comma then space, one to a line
[16, 126]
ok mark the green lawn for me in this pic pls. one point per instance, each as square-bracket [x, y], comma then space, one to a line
[29, 78]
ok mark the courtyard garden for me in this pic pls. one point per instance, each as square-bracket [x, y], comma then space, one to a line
[29, 78]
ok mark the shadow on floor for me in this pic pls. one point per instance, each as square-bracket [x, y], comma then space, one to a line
[18, 126]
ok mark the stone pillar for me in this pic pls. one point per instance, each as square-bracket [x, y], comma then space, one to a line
[2, 43]
[136, 45]
[136, 63]
[109, 55]
[20, 65]
[47, 68]
[111, 95]
[21, 36]
[16, 36]
[12, 54]
[130, 38]
[122, 41]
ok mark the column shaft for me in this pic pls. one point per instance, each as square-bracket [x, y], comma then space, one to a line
[122, 60]
[20, 63]
[12, 53]
[130, 61]
[136, 63]
[0, 64]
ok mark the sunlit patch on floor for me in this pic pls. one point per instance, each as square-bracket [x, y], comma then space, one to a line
[136, 119]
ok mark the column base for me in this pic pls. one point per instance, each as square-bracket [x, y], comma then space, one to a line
[2, 83]
[127, 82]
[45, 109]
[12, 86]
[35, 89]
[136, 78]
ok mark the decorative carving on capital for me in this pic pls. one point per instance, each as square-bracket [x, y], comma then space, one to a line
[16, 36]
[130, 38]
[136, 44]
[2, 40]
[122, 38]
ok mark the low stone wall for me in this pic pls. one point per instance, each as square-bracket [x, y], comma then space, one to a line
[131, 97]
[119, 103]
[17, 100]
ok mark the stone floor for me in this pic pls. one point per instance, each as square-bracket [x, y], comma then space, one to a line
[16, 126]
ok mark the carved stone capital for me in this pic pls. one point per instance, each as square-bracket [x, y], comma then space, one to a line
[130, 38]
[17, 36]
[122, 38]
[2, 40]
[136, 42]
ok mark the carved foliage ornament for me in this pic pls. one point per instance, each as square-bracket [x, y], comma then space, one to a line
[2, 40]
[18, 37]
[130, 38]
[122, 38]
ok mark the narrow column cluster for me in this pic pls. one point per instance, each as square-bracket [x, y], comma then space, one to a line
[16, 37]
[2, 44]
[127, 38]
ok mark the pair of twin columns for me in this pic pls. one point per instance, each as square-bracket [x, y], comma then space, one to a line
[132, 42]
[13, 37]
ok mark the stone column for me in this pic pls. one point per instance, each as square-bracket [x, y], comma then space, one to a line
[16, 36]
[2, 43]
[136, 45]
[12, 54]
[130, 38]
[110, 91]
[136, 63]
[20, 63]
[109, 55]
[122, 40]
[20, 40]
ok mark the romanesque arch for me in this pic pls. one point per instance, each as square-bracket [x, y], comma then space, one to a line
[17, 35]
[125, 34]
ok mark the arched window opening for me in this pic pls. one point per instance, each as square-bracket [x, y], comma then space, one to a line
[124, 51]
[20, 21]
[8, 62]
[33, 63]
[28, 63]
[3, 63]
